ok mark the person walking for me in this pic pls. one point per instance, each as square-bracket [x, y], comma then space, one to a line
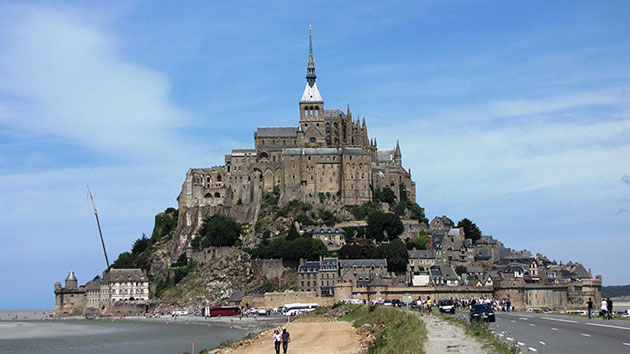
[286, 338]
[604, 309]
[589, 306]
[609, 306]
[277, 339]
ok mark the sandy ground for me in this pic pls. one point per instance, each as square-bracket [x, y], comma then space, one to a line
[18, 329]
[313, 336]
[444, 337]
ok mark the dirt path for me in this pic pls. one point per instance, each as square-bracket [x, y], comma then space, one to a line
[313, 336]
[444, 337]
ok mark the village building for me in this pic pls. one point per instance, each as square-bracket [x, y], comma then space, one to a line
[333, 237]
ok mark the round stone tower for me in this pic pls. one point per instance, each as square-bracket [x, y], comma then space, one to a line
[71, 281]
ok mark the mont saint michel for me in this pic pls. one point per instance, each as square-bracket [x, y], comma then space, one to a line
[399, 178]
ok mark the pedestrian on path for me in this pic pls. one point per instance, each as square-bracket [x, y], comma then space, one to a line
[286, 338]
[277, 339]
[609, 306]
[589, 305]
[604, 309]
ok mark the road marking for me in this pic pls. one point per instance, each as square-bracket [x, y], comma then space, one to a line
[541, 342]
[513, 321]
[558, 319]
[532, 349]
[608, 326]
[522, 318]
[510, 339]
[626, 344]
[554, 329]
[531, 324]
[500, 335]
[520, 343]
[586, 334]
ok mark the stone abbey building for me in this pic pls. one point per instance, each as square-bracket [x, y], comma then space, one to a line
[328, 152]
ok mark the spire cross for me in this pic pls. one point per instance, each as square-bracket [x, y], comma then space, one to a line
[310, 69]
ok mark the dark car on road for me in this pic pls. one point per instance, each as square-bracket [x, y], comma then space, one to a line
[482, 312]
[446, 305]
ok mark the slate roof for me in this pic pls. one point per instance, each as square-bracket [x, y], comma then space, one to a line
[448, 273]
[311, 151]
[421, 254]
[487, 240]
[328, 230]
[377, 281]
[121, 275]
[580, 272]
[269, 132]
[329, 113]
[504, 253]
[484, 254]
[310, 266]
[348, 263]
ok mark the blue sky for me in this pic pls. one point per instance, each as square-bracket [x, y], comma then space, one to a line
[513, 114]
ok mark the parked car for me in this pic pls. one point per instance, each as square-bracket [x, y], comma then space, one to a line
[482, 312]
[446, 305]
[534, 309]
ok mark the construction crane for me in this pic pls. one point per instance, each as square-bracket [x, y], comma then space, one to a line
[98, 223]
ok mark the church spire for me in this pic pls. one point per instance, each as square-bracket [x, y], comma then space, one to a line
[397, 154]
[310, 68]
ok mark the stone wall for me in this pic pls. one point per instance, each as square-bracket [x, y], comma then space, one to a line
[279, 299]
[212, 253]
[271, 269]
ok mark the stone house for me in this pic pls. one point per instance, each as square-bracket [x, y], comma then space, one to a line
[359, 272]
[319, 276]
[71, 299]
[334, 238]
[440, 223]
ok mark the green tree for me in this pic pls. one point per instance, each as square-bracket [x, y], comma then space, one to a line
[471, 231]
[379, 223]
[217, 230]
[304, 219]
[328, 218]
[140, 244]
[125, 260]
[460, 269]
[293, 233]
[396, 254]
[365, 209]
[385, 195]
[420, 242]
[350, 251]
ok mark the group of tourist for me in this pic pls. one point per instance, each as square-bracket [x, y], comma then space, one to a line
[606, 310]
[281, 338]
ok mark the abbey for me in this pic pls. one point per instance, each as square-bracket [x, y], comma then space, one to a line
[328, 152]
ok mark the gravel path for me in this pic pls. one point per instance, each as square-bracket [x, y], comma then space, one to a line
[444, 337]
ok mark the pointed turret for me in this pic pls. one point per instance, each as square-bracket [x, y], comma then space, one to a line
[311, 92]
[310, 69]
[397, 153]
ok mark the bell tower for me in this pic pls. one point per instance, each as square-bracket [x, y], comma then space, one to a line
[311, 129]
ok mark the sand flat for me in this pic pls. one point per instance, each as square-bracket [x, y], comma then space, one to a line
[313, 336]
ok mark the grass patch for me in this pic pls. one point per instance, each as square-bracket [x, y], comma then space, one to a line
[397, 333]
[481, 331]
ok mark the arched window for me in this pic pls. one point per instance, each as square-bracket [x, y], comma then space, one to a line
[218, 178]
[217, 195]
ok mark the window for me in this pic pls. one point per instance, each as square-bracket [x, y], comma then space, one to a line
[312, 139]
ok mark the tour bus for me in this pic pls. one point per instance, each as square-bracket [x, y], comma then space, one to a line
[221, 311]
[296, 309]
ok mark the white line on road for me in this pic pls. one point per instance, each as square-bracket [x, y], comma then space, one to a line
[532, 349]
[541, 342]
[513, 321]
[559, 320]
[531, 324]
[586, 334]
[626, 344]
[607, 326]
[520, 343]
[500, 335]
[510, 339]
[522, 318]
[554, 329]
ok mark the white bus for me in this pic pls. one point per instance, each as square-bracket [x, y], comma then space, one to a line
[296, 309]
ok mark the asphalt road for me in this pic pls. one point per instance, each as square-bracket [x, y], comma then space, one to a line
[543, 333]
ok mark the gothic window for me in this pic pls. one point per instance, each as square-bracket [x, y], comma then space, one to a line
[312, 139]
[217, 195]
[218, 178]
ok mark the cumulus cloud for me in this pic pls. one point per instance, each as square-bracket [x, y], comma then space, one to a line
[65, 78]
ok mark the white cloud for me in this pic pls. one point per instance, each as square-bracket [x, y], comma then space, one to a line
[65, 78]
